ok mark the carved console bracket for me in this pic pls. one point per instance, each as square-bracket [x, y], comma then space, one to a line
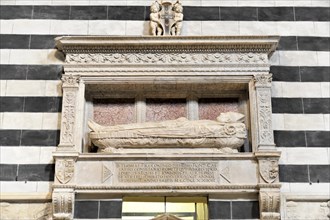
[269, 203]
[63, 204]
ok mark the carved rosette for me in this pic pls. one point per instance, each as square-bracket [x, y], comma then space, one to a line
[264, 110]
[269, 202]
[63, 202]
[70, 88]
[167, 58]
[64, 170]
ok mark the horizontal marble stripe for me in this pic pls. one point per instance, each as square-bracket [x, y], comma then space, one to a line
[305, 173]
[301, 89]
[142, 13]
[31, 72]
[29, 137]
[26, 155]
[301, 122]
[52, 56]
[31, 88]
[30, 121]
[300, 58]
[300, 73]
[302, 138]
[301, 105]
[260, 3]
[13, 41]
[312, 189]
[303, 155]
[25, 186]
[30, 104]
[129, 27]
[27, 172]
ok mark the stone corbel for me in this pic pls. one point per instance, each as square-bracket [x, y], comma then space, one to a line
[262, 83]
[69, 107]
[269, 203]
[63, 204]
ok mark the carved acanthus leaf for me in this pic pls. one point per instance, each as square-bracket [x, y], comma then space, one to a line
[70, 81]
[263, 80]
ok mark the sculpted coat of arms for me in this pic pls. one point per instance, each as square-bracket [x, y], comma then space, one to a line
[269, 170]
[166, 18]
[64, 170]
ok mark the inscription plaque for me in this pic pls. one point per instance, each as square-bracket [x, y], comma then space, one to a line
[165, 172]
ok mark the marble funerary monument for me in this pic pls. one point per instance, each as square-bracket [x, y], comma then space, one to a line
[154, 150]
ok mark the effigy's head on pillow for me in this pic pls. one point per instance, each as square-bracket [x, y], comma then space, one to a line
[230, 117]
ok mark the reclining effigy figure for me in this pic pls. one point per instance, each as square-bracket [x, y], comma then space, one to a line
[228, 131]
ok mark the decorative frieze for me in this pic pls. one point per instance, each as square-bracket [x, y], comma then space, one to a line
[63, 203]
[167, 58]
[317, 209]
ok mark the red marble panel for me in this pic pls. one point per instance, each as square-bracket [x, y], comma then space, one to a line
[114, 111]
[165, 109]
[210, 108]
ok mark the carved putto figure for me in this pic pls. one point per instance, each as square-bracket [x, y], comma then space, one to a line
[227, 132]
[166, 18]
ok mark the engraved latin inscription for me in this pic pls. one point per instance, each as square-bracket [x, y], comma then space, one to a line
[162, 172]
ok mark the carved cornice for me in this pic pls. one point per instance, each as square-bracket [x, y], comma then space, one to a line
[168, 44]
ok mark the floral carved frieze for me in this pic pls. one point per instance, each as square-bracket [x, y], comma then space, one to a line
[167, 58]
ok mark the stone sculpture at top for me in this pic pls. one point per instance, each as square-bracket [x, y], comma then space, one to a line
[166, 18]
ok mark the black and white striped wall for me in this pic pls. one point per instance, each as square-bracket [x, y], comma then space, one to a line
[30, 87]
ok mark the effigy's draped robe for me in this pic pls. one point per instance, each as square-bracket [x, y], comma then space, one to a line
[226, 132]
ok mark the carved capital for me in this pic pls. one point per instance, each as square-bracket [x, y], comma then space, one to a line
[63, 202]
[70, 81]
[269, 202]
[263, 80]
[64, 169]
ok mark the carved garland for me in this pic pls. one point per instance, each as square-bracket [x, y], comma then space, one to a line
[167, 58]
